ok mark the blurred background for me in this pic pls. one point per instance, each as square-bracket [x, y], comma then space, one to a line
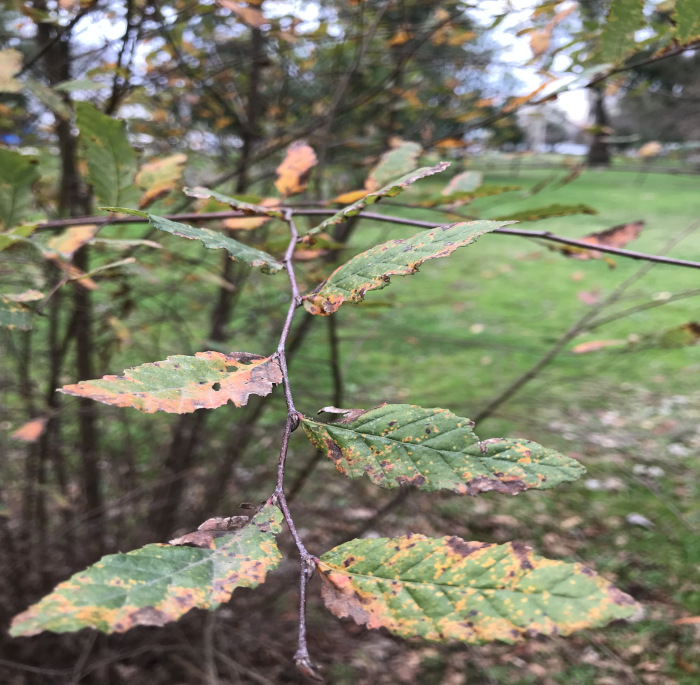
[571, 117]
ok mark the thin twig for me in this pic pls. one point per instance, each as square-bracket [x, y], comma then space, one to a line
[306, 560]
[642, 307]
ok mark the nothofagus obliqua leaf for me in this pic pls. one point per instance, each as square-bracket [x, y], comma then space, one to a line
[181, 384]
[451, 589]
[158, 583]
[371, 270]
[433, 449]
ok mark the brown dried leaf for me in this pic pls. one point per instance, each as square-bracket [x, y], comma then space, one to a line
[210, 530]
[617, 236]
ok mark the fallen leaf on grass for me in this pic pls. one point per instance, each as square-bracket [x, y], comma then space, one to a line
[617, 236]
[595, 345]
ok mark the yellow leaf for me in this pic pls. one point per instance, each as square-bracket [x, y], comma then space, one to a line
[349, 198]
[159, 177]
[539, 42]
[73, 238]
[248, 223]
[10, 64]
[461, 38]
[293, 173]
[399, 38]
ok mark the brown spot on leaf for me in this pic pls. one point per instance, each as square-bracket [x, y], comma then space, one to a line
[522, 553]
[416, 480]
[149, 616]
[333, 451]
[484, 484]
[464, 548]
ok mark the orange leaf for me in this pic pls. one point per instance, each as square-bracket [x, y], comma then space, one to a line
[450, 144]
[248, 15]
[293, 173]
[399, 38]
[595, 345]
[73, 238]
[30, 431]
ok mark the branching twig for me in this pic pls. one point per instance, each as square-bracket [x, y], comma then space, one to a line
[301, 657]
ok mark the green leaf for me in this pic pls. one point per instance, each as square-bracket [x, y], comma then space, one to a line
[396, 162]
[77, 85]
[209, 238]
[390, 190]
[14, 315]
[466, 182]
[371, 270]
[19, 235]
[537, 213]
[687, 16]
[17, 176]
[680, 336]
[433, 449]
[49, 99]
[464, 197]
[111, 160]
[624, 19]
[158, 583]
[450, 589]
[233, 202]
[182, 384]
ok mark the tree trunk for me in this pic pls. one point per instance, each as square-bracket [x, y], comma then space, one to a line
[599, 151]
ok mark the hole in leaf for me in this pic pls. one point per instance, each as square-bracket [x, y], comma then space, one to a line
[216, 386]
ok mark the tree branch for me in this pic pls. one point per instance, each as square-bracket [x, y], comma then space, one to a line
[387, 218]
